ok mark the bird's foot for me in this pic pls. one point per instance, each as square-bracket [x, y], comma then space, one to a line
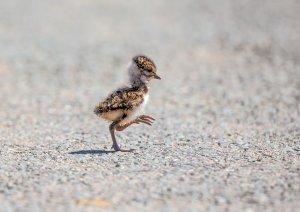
[117, 148]
[144, 119]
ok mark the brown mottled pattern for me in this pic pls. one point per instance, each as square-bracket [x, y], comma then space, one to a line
[122, 99]
[145, 64]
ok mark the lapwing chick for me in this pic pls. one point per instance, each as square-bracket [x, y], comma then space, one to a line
[122, 106]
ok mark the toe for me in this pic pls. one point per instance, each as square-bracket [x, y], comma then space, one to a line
[148, 117]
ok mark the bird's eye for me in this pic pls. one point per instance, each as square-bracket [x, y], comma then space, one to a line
[148, 70]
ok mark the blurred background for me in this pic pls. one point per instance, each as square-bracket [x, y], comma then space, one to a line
[231, 80]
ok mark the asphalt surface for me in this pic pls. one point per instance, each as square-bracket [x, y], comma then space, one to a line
[226, 136]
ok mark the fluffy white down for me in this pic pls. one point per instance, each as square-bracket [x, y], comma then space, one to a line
[135, 78]
[133, 71]
[136, 112]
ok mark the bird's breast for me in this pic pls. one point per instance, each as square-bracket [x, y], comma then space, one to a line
[146, 98]
[131, 115]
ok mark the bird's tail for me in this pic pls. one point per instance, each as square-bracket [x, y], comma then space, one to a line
[97, 110]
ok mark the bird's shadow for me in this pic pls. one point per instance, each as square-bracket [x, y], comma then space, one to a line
[92, 152]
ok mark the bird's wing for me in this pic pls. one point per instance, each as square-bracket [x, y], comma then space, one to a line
[122, 99]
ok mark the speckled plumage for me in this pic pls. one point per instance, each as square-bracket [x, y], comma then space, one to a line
[120, 106]
[124, 101]
[144, 63]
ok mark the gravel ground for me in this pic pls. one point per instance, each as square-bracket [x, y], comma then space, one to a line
[227, 134]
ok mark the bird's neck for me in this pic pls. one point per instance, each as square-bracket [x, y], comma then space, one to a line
[136, 79]
[139, 83]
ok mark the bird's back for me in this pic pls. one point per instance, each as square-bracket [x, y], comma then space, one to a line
[120, 103]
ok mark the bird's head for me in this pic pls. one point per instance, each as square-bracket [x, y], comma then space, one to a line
[142, 68]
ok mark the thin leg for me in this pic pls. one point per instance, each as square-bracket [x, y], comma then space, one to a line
[113, 137]
[123, 127]
[140, 119]
[115, 126]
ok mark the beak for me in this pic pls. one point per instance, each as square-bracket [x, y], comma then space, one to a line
[157, 77]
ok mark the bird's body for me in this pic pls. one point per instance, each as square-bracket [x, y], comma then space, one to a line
[123, 103]
[122, 106]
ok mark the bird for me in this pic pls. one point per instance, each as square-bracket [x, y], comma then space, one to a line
[122, 106]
